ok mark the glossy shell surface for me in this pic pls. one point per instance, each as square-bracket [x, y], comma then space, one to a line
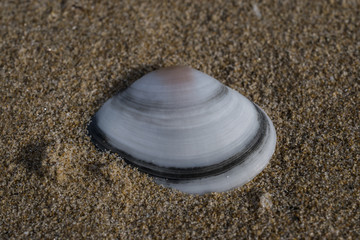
[187, 130]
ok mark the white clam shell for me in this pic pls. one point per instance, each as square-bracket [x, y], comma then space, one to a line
[187, 130]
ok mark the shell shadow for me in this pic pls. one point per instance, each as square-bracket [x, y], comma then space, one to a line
[31, 157]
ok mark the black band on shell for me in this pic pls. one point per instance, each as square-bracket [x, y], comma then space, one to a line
[183, 174]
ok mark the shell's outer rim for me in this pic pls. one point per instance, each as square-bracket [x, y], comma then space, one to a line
[235, 177]
[175, 175]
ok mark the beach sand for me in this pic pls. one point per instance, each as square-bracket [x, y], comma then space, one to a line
[61, 60]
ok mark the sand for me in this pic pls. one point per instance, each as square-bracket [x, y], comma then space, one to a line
[61, 60]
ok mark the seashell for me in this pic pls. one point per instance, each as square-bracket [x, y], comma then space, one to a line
[187, 130]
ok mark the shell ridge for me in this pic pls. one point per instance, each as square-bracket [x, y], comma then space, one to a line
[178, 174]
[160, 105]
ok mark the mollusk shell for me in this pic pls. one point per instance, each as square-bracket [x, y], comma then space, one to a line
[187, 130]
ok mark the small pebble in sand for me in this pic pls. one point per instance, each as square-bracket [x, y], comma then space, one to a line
[265, 201]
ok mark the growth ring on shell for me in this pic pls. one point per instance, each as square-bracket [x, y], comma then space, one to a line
[187, 130]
